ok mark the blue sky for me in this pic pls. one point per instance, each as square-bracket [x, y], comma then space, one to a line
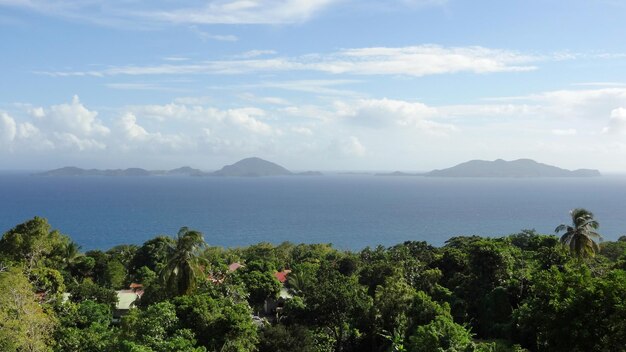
[312, 84]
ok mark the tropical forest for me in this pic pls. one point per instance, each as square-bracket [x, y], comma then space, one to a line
[528, 291]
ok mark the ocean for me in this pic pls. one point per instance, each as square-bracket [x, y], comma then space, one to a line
[349, 211]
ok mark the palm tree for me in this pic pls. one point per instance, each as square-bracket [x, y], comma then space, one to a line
[71, 251]
[581, 237]
[184, 265]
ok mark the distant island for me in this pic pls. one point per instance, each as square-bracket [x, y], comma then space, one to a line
[257, 167]
[76, 171]
[249, 167]
[253, 167]
[398, 173]
[516, 168]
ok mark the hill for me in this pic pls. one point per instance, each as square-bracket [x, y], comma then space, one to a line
[515, 168]
[76, 171]
[253, 167]
[133, 171]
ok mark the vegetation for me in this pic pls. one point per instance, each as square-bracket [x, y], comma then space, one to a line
[521, 292]
[581, 237]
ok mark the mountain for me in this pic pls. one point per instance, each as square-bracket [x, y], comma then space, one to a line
[66, 171]
[515, 168]
[185, 171]
[309, 173]
[75, 171]
[398, 173]
[253, 167]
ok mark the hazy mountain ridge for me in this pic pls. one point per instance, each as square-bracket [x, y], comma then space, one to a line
[253, 167]
[515, 168]
[249, 167]
[257, 167]
[134, 171]
[398, 174]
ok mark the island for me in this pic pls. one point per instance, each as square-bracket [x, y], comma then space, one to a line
[521, 168]
[249, 167]
[76, 171]
[398, 173]
[253, 167]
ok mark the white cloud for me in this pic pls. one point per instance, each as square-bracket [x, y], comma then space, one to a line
[348, 147]
[564, 132]
[136, 137]
[425, 60]
[8, 128]
[71, 141]
[379, 131]
[617, 122]
[302, 130]
[64, 126]
[138, 86]
[201, 100]
[205, 36]
[132, 131]
[255, 53]
[415, 61]
[488, 110]
[244, 118]
[586, 106]
[248, 118]
[73, 118]
[176, 58]
[380, 113]
[420, 3]
[155, 12]
[264, 100]
[315, 86]
[37, 112]
[242, 11]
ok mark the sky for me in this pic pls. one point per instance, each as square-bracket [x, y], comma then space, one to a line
[408, 85]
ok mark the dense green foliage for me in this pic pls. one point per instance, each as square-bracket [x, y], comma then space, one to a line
[525, 291]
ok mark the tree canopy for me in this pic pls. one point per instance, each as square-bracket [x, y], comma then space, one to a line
[521, 292]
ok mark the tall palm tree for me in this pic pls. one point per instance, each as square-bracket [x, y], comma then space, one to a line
[71, 251]
[184, 264]
[581, 236]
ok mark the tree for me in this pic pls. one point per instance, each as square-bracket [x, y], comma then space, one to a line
[24, 326]
[85, 327]
[88, 290]
[442, 335]
[339, 304]
[261, 285]
[31, 242]
[572, 310]
[433, 328]
[581, 237]
[217, 323]
[156, 329]
[281, 338]
[70, 253]
[392, 303]
[183, 262]
[115, 274]
[152, 254]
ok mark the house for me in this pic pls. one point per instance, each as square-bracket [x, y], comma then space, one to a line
[281, 276]
[275, 305]
[234, 266]
[126, 300]
[136, 287]
[218, 278]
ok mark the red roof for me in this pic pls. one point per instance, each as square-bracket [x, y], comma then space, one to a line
[234, 266]
[281, 276]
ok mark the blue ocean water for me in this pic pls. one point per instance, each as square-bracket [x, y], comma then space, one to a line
[350, 211]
